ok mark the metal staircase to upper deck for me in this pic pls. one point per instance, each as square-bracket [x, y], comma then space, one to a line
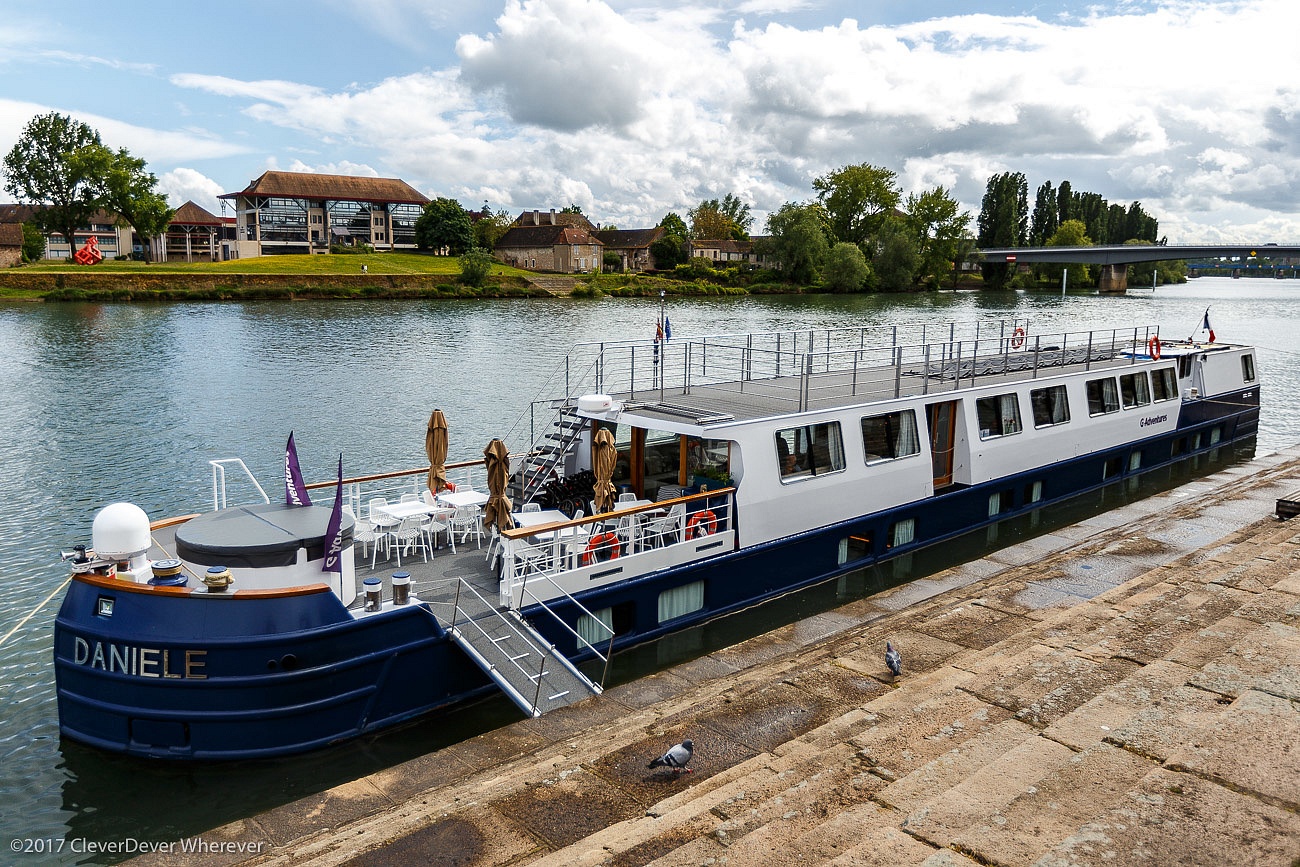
[542, 462]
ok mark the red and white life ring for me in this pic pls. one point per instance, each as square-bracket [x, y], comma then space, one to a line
[1153, 347]
[1018, 338]
[701, 524]
[602, 547]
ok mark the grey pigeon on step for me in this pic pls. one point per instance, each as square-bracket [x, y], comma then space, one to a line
[893, 660]
[676, 758]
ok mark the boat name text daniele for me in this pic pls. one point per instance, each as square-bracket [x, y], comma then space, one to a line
[139, 661]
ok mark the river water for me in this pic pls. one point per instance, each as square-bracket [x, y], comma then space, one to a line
[100, 403]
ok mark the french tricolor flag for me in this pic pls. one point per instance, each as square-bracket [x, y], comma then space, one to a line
[1206, 326]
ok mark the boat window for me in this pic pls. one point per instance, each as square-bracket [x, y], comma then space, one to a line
[1034, 492]
[661, 461]
[901, 533]
[680, 601]
[1248, 368]
[856, 547]
[1050, 406]
[998, 416]
[810, 450]
[890, 436]
[1103, 396]
[708, 462]
[1134, 390]
[593, 629]
[1164, 386]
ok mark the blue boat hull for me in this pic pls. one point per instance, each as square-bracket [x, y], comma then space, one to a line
[304, 673]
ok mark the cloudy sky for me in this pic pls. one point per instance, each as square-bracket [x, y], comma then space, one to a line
[633, 109]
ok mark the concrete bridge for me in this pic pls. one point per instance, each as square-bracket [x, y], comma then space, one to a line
[1114, 259]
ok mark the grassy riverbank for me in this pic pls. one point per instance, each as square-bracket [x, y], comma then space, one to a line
[347, 277]
[343, 277]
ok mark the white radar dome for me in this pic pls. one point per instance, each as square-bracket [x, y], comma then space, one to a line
[595, 403]
[120, 531]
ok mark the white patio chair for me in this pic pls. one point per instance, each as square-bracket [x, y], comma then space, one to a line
[408, 535]
[668, 529]
[467, 520]
[530, 506]
[439, 521]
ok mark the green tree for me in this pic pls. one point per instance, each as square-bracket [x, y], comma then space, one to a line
[938, 228]
[1003, 221]
[127, 187]
[48, 167]
[798, 241]
[1071, 233]
[1043, 221]
[1091, 210]
[738, 213]
[674, 225]
[475, 266]
[668, 251]
[896, 258]
[1064, 203]
[572, 209]
[33, 243]
[710, 222]
[444, 224]
[490, 226]
[857, 200]
[845, 268]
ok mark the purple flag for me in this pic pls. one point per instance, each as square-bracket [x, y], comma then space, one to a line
[295, 491]
[334, 530]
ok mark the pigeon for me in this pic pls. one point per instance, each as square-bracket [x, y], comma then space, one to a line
[893, 660]
[676, 758]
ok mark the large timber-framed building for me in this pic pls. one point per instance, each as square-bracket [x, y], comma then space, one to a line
[300, 212]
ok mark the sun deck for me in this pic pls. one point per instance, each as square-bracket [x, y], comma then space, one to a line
[716, 380]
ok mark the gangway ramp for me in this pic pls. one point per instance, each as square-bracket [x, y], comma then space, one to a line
[519, 660]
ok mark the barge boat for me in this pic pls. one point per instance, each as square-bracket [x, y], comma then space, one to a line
[659, 485]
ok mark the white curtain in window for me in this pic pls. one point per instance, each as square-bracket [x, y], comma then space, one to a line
[908, 442]
[1059, 404]
[1110, 394]
[594, 629]
[995, 503]
[1009, 409]
[680, 601]
[904, 532]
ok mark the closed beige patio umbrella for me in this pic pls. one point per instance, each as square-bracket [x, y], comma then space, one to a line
[435, 446]
[497, 509]
[604, 456]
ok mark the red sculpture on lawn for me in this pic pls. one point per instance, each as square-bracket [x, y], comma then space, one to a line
[89, 253]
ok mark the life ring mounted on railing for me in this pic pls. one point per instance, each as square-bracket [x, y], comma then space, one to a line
[1153, 347]
[1018, 337]
[602, 547]
[702, 524]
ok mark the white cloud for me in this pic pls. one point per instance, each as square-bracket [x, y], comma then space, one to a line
[182, 185]
[632, 111]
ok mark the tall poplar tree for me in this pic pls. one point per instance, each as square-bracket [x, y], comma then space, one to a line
[1042, 223]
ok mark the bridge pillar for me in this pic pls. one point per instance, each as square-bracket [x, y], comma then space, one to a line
[1114, 279]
